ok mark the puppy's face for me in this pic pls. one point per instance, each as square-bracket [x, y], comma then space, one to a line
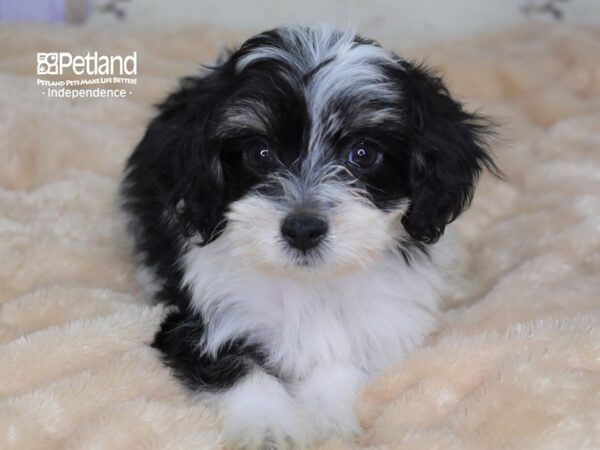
[315, 151]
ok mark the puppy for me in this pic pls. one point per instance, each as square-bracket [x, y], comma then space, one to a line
[288, 204]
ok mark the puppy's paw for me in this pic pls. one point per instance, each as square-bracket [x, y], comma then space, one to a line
[259, 414]
[327, 396]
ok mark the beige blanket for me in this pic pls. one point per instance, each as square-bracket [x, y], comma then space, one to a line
[516, 362]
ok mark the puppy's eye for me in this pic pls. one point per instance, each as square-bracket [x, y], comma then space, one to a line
[258, 156]
[363, 156]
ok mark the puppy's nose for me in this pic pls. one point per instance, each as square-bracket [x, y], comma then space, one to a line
[302, 231]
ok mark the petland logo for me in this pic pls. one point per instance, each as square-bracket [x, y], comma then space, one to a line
[90, 64]
[104, 70]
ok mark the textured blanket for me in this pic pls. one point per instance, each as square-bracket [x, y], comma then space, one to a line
[516, 361]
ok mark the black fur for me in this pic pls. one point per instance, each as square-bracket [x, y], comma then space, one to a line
[447, 151]
[178, 340]
[184, 173]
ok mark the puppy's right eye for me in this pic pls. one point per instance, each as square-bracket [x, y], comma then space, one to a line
[259, 157]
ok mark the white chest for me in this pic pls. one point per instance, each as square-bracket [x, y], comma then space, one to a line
[370, 318]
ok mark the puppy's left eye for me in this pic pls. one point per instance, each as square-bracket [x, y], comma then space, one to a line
[364, 156]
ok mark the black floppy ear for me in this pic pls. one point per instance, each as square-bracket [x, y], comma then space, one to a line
[175, 174]
[447, 154]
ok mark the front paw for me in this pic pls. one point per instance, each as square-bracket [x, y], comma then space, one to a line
[327, 397]
[259, 414]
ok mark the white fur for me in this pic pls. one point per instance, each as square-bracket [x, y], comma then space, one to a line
[325, 329]
[258, 413]
[369, 318]
[327, 397]
[261, 411]
[356, 71]
[358, 232]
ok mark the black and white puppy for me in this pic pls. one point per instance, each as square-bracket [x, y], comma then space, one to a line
[288, 204]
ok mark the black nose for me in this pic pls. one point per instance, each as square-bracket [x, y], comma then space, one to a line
[302, 231]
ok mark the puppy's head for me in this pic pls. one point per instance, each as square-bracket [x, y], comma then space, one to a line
[310, 149]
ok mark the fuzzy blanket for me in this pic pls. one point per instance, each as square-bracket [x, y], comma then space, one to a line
[516, 361]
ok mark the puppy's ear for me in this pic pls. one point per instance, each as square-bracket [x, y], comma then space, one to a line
[447, 153]
[176, 163]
